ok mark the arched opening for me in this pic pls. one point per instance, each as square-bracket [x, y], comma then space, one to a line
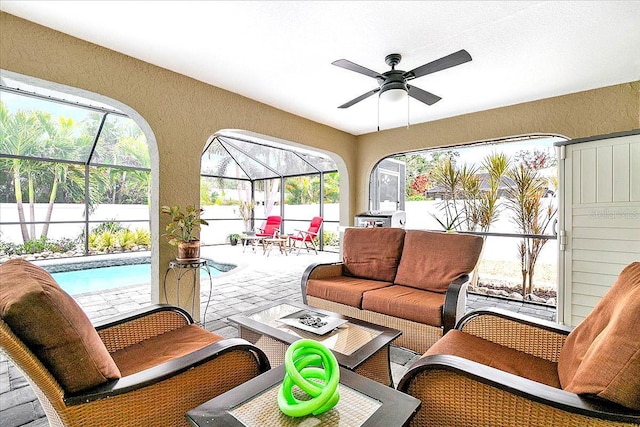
[77, 176]
[246, 178]
[502, 190]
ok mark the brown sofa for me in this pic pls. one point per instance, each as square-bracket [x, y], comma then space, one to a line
[415, 281]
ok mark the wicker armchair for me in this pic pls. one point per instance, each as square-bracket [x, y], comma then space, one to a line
[500, 368]
[164, 364]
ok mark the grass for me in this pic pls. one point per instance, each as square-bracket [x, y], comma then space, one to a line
[509, 272]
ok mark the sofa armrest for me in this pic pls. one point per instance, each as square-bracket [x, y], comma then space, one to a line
[524, 333]
[157, 374]
[455, 301]
[319, 271]
[134, 327]
[436, 379]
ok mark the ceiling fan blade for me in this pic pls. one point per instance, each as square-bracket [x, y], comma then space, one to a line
[457, 58]
[360, 98]
[344, 63]
[422, 95]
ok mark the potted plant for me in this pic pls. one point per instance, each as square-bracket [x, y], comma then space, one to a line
[183, 230]
[233, 238]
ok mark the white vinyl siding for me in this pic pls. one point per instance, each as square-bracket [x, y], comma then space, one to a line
[601, 219]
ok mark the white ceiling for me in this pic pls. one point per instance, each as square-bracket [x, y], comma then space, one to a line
[280, 53]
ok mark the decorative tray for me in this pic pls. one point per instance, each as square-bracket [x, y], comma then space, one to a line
[311, 321]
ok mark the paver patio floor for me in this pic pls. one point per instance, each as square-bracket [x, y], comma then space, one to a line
[256, 281]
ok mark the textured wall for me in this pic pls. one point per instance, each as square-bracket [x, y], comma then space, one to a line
[182, 113]
[594, 112]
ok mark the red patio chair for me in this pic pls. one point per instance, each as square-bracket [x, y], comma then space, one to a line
[308, 238]
[271, 228]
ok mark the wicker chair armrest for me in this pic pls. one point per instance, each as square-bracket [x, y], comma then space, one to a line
[319, 271]
[134, 327]
[534, 336]
[159, 373]
[455, 301]
[436, 379]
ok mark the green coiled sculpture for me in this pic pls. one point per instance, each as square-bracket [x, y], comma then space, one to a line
[301, 362]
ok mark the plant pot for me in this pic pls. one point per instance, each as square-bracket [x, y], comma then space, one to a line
[188, 251]
[233, 241]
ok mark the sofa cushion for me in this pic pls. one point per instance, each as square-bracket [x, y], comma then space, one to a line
[343, 289]
[53, 326]
[372, 253]
[471, 347]
[162, 348]
[601, 356]
[406, 303]
[432, 260]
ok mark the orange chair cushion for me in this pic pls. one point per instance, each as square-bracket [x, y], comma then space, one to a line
[601, 356]
[162, 348]
[432, 260]
[372, 253]
[343, 289]
[471, 347]
[53, 327]
[406, 303]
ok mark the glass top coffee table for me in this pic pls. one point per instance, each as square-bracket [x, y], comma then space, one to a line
[363, 402]
[359, 346]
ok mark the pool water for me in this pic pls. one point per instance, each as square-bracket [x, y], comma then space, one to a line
[99, 279]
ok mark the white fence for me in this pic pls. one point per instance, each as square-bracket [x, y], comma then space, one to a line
[296, 217]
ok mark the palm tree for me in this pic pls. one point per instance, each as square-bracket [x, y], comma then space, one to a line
[447, 176]
[58, 141]
[525, 200]
[20, 136]
[331, 187]
[488, 207]
[299, 191]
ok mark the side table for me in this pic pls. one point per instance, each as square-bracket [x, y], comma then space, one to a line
[281, 242]
[180, 270]
[250, 241]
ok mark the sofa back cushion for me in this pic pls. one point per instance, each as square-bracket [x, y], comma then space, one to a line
[372, 253]
[50, 323]
[431, 260]
[601, 356]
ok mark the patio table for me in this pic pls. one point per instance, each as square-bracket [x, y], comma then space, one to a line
[359, 346]
[363, 402]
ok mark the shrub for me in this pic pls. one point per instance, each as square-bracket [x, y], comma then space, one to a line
[330, 238]
[111, 226]
[125, 239]
[39, 245]
[8, 248]
[142, 236]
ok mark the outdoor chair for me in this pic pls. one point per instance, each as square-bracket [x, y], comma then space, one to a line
[144, 369]
[308, 237]
[501, 368]
[271, 228]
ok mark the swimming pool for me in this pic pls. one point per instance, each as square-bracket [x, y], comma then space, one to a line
[102, 278]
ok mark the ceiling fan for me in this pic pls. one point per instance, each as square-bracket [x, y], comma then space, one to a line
[397, 79]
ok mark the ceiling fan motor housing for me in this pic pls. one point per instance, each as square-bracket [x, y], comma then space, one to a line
[393, 79]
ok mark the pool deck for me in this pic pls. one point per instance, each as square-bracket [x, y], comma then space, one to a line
[256, 281]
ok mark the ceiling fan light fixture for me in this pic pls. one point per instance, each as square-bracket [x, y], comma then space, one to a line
[394, 94]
